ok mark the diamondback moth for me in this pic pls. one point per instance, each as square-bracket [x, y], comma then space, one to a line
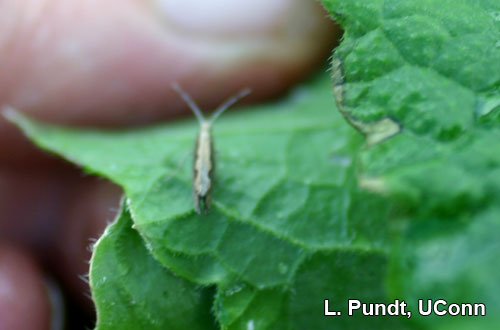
[203, 159]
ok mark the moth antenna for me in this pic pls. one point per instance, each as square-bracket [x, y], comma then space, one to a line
[192, 105]
[232, 100]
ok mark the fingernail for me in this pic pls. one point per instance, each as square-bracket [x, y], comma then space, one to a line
[224, 18]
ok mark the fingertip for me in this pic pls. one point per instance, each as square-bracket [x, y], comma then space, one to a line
[24, 298]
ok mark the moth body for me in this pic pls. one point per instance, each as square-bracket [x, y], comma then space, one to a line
[203, 160]
[203, 169]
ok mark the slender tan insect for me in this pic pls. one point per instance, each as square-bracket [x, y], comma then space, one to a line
[203, 160]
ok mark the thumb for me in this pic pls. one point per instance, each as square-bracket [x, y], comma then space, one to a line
[111, 63]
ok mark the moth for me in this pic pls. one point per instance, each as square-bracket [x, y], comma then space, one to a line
[203, 159]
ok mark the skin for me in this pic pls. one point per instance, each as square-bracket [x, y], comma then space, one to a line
[25, 296]
[111, 64]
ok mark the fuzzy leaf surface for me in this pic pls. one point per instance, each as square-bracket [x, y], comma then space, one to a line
[432, 66]
[134, 291]
[288, 226]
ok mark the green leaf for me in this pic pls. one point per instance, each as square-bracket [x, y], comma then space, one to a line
[285, 218]
[133, 291]
[452, 260]
[431, 67]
